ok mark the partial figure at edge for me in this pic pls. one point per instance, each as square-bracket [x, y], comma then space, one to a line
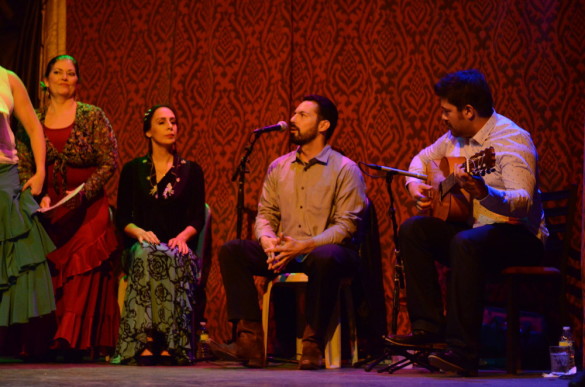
[26, 291]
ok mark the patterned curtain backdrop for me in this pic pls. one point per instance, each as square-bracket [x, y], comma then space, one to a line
[231, 66]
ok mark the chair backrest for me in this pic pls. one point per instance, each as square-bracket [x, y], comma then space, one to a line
[203, 252]
[559, 212]
[203, 237]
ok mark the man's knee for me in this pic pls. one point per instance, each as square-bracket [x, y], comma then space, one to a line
[229, 251]
[465, 252]
[329, 258]
[327, 252]
[412, 226]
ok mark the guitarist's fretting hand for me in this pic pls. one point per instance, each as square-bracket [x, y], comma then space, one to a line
[420, 193]
[475, 185]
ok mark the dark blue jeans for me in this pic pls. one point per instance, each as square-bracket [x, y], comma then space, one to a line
[472, 255]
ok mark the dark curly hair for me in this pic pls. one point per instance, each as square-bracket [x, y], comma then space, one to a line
[466, 87]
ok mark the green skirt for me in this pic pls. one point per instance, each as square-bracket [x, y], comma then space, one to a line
[26, 290]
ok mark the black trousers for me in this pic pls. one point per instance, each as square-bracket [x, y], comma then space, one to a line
[472, 254]
[325, 266]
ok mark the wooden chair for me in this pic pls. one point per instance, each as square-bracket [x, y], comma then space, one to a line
[559, 207]
[333, 338]
[369, 249]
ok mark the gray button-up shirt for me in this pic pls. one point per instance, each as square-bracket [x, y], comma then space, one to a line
[323, 199]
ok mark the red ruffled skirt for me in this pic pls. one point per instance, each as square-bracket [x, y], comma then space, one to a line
[84, 279]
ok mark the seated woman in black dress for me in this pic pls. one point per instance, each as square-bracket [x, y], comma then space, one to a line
[161, 207]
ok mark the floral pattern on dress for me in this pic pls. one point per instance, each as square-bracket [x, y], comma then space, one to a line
[92, 143]
[159, 301]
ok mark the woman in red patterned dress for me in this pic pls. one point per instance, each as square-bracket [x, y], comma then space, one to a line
[81, 149]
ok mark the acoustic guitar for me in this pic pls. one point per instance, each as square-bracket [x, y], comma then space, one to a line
[449, 201]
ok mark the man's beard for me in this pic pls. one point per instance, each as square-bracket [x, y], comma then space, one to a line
[301, 139]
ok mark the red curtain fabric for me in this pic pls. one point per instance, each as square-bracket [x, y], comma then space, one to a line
[231, 66]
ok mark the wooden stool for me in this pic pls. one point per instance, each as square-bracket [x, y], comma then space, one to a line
[333, 335]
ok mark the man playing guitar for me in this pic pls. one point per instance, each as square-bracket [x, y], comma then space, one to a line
[504, 227]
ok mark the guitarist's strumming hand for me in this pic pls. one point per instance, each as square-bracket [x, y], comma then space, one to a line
[474, 185]
[420, 192]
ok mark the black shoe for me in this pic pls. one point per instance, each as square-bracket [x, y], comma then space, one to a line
[418, 338]
[165, 360]
[182, 361]
[450, 361]
[147, 361]
[578, 380]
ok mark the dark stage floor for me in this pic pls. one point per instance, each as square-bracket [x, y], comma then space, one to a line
[231, 374]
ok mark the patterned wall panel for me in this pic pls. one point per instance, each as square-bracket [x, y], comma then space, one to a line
[230, 66]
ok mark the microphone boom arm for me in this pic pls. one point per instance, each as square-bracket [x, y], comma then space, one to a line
[395, 171]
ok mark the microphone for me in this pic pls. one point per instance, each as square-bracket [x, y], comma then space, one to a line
[281, 127]
[395, 171]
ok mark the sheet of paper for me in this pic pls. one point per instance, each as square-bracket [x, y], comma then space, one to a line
[63, 200]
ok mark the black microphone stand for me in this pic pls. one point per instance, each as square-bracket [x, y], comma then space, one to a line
[240, 173]
[398, 266]
[411, 354]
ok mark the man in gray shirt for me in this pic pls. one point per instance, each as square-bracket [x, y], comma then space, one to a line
[311, 203]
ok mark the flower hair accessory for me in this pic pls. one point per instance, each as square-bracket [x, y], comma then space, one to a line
[147, 114]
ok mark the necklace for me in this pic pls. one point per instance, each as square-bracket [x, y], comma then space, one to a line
[170, 176]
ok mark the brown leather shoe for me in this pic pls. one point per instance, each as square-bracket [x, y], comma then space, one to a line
[312, 356]
[250, 343]
[248, 348]
[224, 351]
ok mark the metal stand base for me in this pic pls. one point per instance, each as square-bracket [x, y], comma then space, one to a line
[412, 355]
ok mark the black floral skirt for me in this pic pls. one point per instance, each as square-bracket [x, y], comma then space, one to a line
[158, 303]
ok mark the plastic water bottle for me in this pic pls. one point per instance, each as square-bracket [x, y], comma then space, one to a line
[203, 351]
[566, 340]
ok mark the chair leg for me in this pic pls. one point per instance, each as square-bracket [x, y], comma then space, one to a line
[301, 318]
[122, 285]
[351, 325]
[513, 361]
[266, 315]
[333, 348]
[333, 344]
